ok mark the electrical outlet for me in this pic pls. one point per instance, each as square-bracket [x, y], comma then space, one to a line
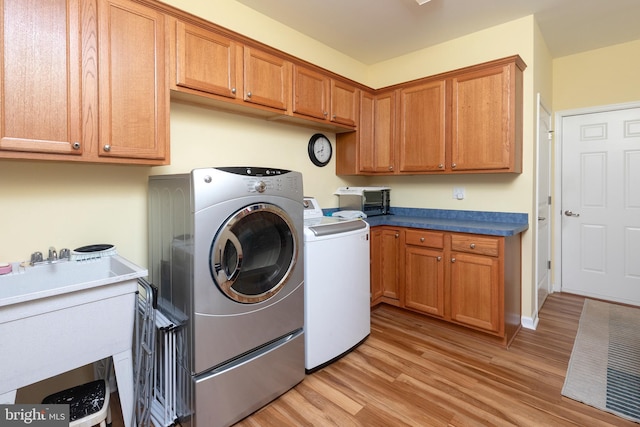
[458, 193]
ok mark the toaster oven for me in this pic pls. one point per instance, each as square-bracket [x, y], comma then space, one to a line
[370, 200]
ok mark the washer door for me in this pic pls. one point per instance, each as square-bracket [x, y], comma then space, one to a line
[253, 253]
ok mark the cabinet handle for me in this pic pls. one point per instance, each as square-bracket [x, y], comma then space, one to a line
[76, 145]
[453, 165]
[233, 90]
[248, 94]
[397, 235]
[422, 239]
[390, 168]
[439, 258]
[325, 114]
[333, 117]
[107, 148]
[472, 246]
[440, 166]
[453, 260]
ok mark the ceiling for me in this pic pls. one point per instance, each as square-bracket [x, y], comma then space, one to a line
[372, 31]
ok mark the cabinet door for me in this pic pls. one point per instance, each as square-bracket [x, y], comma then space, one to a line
[266, 79]
[133, 73]
[206, 61]
[385, 252]
[377, 154]
[476, 297]
[310, 93]
[389, 263]
[40, 97]
[424, 280]
[344, 103]
[364, 133]
[483, 121]
[422, 128]
[376, 263]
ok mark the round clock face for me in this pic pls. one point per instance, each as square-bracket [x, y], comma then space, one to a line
[320, 149]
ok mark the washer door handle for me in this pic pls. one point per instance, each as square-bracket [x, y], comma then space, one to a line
[224, 275]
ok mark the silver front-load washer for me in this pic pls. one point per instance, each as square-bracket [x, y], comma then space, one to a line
[226, 252]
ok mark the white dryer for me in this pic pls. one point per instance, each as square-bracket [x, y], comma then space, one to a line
[337, 291]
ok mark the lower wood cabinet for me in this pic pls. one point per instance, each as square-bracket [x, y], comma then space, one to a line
[476, 281]
[386, 272]
[464, 279]
[424, 272]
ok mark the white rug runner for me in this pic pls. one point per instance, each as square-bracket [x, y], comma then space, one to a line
[604, 369]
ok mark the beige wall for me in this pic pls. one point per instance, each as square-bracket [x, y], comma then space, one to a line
[610, 75]
[69, 205]
[244, 20]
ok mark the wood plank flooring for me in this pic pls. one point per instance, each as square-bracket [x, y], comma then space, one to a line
[412, 372]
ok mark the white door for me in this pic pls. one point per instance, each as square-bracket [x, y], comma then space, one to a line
[543, 190]
[601, 205]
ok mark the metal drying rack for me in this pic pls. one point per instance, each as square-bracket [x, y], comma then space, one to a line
[161, 387]
[144, 351]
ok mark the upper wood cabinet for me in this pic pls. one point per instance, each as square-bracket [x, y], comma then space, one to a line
[486, 124]
[384, 134]
[267, 79]
[132, 81]
[344, 103]
[376, 146]
[40, 92]
[206, 61]
[75, 88]
[318, 96]
[371, 149]
[311, 92]
[422, 122]
[355, 150]
[463, 121]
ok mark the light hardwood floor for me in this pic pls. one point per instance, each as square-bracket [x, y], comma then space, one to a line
[413, 372]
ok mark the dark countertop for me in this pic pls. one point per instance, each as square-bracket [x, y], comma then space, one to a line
[476, 222]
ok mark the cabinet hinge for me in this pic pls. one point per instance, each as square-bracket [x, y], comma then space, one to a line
[550, 135]
[548, 265]
[549, 200]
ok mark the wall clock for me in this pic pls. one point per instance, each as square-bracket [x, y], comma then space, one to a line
[320, 150]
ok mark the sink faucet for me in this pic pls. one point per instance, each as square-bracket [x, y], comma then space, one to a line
[53, 255]
[37, 258]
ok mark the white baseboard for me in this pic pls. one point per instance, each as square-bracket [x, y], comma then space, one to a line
[530, 322]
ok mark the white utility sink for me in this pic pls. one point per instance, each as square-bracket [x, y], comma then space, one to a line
[60, 316]
[48, 279]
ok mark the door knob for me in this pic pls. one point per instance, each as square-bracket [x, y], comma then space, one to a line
[569, 213]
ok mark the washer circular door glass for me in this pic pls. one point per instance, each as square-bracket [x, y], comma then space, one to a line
[254, 253]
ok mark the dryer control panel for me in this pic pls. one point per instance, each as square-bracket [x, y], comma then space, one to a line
[254, 171]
